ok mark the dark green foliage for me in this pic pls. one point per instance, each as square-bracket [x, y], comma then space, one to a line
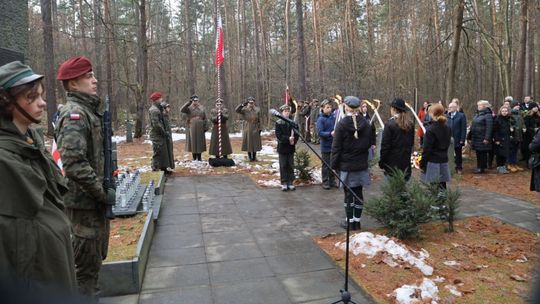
[403, 206]
[301, 165]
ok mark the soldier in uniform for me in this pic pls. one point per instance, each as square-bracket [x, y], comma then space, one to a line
[303, 111]
[158, 134]
[196, 126]
[251, 135]
[167, 124]
[80, 142]
[226, 147]
[35, 242]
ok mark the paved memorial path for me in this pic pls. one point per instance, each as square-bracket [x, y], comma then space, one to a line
[223, 240]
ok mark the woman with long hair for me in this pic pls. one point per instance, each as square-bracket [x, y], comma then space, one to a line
[503, 129]
[397, 140]
[434, 163]
[353, 137]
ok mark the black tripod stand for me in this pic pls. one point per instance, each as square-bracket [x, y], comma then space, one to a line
[345, 294]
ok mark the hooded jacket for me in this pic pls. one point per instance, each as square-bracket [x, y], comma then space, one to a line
[350, 153]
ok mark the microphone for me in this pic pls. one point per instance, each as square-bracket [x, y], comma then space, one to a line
[276, 113]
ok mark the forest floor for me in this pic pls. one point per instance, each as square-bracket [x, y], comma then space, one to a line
[483, 261]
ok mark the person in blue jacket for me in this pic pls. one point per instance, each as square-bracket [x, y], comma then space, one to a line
[457, 122]
[325, 127]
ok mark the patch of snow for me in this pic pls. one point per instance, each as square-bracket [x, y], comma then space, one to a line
[451, 263]
[412, 294]
[453, 290]
[118, 139]
[269, 183]
[369, 244]
[178, 136]
[147, 142]
[267, 149]
[439, 279]
[316, 175]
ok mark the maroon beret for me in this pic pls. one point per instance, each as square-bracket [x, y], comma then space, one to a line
[73, 68]
[155, 96]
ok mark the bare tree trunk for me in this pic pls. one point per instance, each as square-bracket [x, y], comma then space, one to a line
[522, 55]
[317, 39]
[287, 42]
[191, 77]
[256, 44]
[369, 24]
[142, 69]
[48, 55]
[301, 50]
[108, 54]
[458, 27]
[97, 43]
[83, 28]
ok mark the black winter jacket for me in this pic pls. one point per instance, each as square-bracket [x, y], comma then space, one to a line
[349, 153]
[283, 132]
[436, 143]
[396, 148]
[482, 128]
[502, 134]
[534, 147]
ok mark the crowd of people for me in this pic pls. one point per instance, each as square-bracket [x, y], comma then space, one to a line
[54, 230]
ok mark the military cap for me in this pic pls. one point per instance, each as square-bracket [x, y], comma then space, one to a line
[194, 97]
[155, 96]
[15, 74]
[165, 105]
[352, 102]
[73, 68]
[251, 99]
[284, 107]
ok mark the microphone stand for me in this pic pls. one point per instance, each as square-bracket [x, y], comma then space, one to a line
[345, 294]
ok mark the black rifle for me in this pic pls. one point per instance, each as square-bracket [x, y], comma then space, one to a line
[108, 179]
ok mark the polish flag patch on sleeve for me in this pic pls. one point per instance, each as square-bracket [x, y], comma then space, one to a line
[74, 116]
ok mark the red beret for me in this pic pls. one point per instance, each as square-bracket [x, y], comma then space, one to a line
[155, 96]
[73, 68]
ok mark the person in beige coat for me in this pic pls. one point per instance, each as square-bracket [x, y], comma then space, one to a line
[196, 125]
[251, 135]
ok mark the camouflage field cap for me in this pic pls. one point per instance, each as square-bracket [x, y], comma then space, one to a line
[15, 74]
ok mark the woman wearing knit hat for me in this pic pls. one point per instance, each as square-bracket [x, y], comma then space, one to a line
[353, 137]
[35, 234]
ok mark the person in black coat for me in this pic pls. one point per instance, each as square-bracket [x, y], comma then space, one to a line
[457, 122]
[287, 140]
[481, 134]
[502, 133]
[353, 137]
[434, 163]
[397, 140]
[534, 163]
[532, 123]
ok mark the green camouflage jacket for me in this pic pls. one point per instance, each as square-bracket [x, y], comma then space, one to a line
[79, 135]
[157, 131]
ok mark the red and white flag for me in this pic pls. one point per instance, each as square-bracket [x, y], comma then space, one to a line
[287, 95]
[220, 56]
[56, 156]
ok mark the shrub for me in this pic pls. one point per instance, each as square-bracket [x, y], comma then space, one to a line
[301, 165]
[402, 206]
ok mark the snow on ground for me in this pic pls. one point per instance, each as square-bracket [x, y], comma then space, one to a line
[181, 136]
[370, 244]
[412, 294]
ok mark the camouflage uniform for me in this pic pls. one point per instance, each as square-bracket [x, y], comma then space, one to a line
[170, 146]
[159, 136]
[35, 240]
[251, 134]
[313, 116]
[80, 142]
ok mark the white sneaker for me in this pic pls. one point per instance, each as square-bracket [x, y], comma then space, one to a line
[284, 188]
[292, 188]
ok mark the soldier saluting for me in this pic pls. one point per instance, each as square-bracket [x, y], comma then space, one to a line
[251, 134]
[158, 135]
[196, 126]
[80, 142]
